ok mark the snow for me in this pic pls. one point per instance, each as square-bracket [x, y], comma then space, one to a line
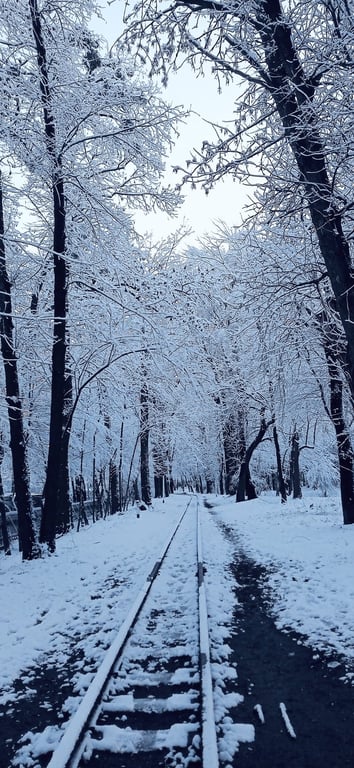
[287, 721]
[310, 555]
[80, 594]
[259, 712]
[81, 597]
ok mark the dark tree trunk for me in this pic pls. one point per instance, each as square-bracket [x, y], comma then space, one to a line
[161, 482]
[210, 486]
[333, 346]
[158, 486]
[56, 429]
[4, 531]
[221, 482]
[281, 481]
[113, 483]
[234, 450]
[144, 445]
[245, 486]
[293, 95]
[64, 516]
[136, 490]
[251, 492]
[120, 467]
[230, 451]
[51, 500]
[126, 497]
[94, 479]
[345, 449]
[26, 529]
[295, 466]
[64, 512]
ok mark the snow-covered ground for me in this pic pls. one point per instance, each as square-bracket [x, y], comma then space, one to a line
[310, 553]
[310, 557]
[83, 593]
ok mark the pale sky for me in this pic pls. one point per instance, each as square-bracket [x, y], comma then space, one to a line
[199, 210]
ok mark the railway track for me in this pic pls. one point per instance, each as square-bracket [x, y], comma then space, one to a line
[151, 701]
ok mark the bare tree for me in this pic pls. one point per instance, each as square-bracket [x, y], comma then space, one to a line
[289, 97]
[26, 529]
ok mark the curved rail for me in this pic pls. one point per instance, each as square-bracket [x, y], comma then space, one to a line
[69, 750]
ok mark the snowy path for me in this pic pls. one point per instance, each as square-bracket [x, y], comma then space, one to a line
[303, 712]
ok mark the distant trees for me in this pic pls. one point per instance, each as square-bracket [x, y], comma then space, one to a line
[289, 114]
[125, 362]
[18, 439]
[81, 135]
[290, 132]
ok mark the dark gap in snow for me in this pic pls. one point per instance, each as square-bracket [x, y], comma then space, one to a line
[275, 666]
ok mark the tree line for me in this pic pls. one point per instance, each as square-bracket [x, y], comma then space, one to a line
[125, 359]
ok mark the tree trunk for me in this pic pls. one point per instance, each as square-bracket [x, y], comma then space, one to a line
[332, 347]
[64, 515]
[126, 497]
[293, 95]
[295, 466]
[281, 481]
[210, 486]
[56, 429]
[64, 511]
[144, 445]
[230, 450]
[26, 529]
[4, 531]
[245, 486]
[50, 508]
[159, 455]
[120, 467]
[113, 486]
[158, 486]
[345, 450]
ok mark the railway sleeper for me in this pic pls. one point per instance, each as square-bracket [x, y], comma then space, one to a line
[112, 746]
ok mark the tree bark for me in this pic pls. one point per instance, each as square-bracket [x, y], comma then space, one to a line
[333, 346]
[234, 450]
[229, 443]
[26, 528]
[245, 487]
[51, 500]
[144, 445]
[295, 466]
[293, 96]
[4, 531]
[281, 481]
[113, 487]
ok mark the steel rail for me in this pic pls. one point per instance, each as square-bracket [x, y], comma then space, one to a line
[210, 756]
[72, 744]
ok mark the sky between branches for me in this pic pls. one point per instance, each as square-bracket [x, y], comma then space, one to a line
[199, 212]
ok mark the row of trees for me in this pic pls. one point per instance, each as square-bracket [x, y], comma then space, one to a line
[122, 356]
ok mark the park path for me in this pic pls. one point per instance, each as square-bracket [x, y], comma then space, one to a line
[308, 711]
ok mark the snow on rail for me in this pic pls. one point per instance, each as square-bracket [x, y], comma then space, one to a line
[210, 755]
[69, 749]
